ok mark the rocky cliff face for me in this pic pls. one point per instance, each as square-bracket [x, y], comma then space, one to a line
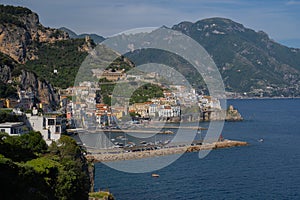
[5, 73]
[41, 89]
[20, 30]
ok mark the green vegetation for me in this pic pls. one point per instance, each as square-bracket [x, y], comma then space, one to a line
[11, 14]
[145, 93]
[6, 116]
[8, 90]
[63, 56]
[121, 63]
[101, 195]
[106, 92]
[176, 62]
[246, 59]
[31, 170]
[140, 95]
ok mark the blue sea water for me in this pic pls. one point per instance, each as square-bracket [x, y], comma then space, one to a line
[262, 170]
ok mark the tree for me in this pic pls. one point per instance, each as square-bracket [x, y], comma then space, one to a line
[34, 141]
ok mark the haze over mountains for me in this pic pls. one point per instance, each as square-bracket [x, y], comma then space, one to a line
[250, 63]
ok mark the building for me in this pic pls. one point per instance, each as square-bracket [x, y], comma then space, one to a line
[153, 110]
[112, 75]
[167, 111]
[50, 125]
[140, 108]
[13, 128]
[118, 112]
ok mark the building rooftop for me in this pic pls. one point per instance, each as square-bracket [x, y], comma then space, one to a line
[10, 124]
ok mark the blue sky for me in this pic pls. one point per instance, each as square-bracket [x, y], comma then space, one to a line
[278, 18]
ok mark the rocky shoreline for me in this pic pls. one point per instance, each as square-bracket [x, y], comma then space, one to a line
[95, 156]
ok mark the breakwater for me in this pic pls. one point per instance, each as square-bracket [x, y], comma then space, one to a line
[101, 156]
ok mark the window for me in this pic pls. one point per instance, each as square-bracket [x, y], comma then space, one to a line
[57, 129]
[2, 130]
[49, 135]
[13, 131]
[58, 122]
[51, 122]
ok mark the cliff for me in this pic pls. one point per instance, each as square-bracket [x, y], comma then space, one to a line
[231, 114]
[20, 30]
[29, 53]
[19, 79]
[41, 89]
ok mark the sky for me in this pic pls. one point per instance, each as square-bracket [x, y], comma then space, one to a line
[278, 18]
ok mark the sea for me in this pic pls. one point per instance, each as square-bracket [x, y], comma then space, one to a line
[268, 168]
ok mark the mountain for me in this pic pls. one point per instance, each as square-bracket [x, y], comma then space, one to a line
[20, 31]
[29, 52]
[248, 61]
[37, 60]
[96, 38]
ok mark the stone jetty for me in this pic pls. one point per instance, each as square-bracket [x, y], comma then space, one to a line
[95, 156]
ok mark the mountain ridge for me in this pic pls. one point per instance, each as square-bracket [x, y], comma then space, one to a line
[96, 38]
[250, 63]
[241, 52]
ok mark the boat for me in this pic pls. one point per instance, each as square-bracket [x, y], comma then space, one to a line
[168, 132]
[167, 142]
[261, 140]
[155, 175]
[132, 143]
[143, 142]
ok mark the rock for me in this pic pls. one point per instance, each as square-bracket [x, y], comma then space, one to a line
[233, 114]
[18, 38]
[5, 73]
[41, 89]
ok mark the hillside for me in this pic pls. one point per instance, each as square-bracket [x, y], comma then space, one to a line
[96, 38]
[248, 61]
[29, 52]
[20, 30]
[36, 171]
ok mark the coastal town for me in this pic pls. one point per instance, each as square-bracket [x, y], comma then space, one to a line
[84, 107]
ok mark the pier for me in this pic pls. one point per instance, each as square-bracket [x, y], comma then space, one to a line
[115, 155]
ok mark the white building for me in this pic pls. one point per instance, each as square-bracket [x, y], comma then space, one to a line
[13, 128]
[169, 111]
[50, 125]
[152, 110]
